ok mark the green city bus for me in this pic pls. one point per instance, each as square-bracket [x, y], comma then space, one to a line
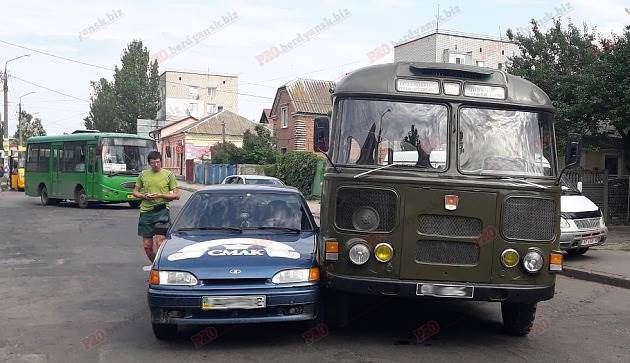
[87, 167]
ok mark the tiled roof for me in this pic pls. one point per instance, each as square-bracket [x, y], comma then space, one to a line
[213, 125]
[310, 96]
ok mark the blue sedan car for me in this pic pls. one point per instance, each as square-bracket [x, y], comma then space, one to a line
[236, 254]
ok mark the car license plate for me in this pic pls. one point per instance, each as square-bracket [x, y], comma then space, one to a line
[589, 241]
[233, 302]
[441, 290]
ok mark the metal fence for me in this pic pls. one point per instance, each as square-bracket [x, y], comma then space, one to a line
[610, 193]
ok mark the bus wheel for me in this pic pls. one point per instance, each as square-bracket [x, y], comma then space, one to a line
[81, 199]
[43, 196]
[335, 306]
[135, 203]
[518, 318]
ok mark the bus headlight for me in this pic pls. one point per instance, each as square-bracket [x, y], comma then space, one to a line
[509, 258]
[383, 252]
[359, 254]
[533, 261]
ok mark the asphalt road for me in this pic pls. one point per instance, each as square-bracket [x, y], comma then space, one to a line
[72, 289]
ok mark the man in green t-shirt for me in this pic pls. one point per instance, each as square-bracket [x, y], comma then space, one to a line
[159, 187]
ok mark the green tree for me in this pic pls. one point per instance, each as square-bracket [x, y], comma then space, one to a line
[226, 153]
[29, 126]
[558, 61]
[258, 148]
[133, 94]
[411, 140]
[297, 169]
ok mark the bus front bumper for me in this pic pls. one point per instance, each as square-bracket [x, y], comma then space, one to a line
[409, 288]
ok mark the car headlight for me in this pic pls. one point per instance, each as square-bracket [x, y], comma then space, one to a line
[601, 222]
[172, 278]
[533, 261]
[564, 223]
[296, 275]
[383, 252]
[359, 254]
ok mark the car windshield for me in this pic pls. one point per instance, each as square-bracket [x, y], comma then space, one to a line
[504, 142]
[125, 155]
[386, 132]
[261, 181]
[243, 210]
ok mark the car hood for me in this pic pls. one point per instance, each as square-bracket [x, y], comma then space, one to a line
[576, 203]
[212, 255]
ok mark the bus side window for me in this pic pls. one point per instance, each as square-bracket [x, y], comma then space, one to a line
[31, 158]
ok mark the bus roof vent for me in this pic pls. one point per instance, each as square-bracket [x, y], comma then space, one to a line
[85, 131]
[447, 71]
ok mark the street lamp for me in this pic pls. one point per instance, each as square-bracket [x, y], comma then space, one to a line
[19, 125]
[5, 126]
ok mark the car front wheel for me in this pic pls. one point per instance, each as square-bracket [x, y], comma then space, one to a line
[518, 318]
[164, 331]
[578, 251]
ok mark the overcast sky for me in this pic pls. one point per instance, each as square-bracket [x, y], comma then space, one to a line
[62, 28]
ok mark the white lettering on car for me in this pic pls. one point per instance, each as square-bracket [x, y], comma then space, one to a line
[236, 247]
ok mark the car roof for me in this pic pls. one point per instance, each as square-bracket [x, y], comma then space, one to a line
[248, 176]
[250, 188]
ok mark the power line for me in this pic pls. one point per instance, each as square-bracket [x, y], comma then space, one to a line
[57, 56]
[49, 89]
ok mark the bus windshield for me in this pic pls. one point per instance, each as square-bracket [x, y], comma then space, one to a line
[390, 132]
[125, 155]
[504, 142]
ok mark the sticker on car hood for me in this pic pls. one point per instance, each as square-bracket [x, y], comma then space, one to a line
[236, 247]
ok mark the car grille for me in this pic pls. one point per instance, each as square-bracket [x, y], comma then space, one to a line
[449, 226]
[128, 185]
[234, 282]
[587, 223]
[351, 200]
[447, 252]
[529, 218]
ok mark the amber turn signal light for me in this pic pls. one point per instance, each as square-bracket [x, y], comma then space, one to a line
[154, 279]
[313, 274]
[555, 261]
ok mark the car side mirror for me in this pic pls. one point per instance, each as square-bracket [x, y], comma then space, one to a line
[573, 150]
[321, 134]
[161, 228]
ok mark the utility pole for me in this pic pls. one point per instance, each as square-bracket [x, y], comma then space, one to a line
[19, 125]
[223, 130]
[5, 126]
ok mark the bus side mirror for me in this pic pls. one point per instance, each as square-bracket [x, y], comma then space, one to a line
[321, 134]
[573, 150]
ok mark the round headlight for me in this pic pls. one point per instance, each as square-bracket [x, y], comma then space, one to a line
[383, 252]
[359, 254]
[509, 258]
[365, 219]
[533, 261]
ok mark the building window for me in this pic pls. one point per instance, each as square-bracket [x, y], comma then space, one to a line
[502, 52]
[611, 163]
[480, 50]
[500, 65]
[192, 107]
[212, 91]
[480, 64]
[458, 60]
[193, 92]
[211, 108]
[283, 150]
[284, 119]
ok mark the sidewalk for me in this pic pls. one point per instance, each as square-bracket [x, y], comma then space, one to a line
[607, 264]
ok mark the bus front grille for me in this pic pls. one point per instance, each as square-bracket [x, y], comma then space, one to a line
[447, 252]
[449, 226]
[365, 209]
[531, 219]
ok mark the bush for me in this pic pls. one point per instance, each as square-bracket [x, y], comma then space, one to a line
[267, 169]
[297, 169]
[227, 153]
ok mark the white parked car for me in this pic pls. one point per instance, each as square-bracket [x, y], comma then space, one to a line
[252, 179]
[582, 224]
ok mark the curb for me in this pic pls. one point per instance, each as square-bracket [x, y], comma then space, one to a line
[188, 189]
[599, 277]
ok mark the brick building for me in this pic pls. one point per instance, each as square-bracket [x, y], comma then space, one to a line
[460, 48]
[294, 109]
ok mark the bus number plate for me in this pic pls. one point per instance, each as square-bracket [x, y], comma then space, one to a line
[441, 290]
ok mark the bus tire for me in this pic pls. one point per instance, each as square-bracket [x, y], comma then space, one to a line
[518, 318]
[44, 198]
[81, 198]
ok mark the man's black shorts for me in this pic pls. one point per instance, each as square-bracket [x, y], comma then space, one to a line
[147, 221]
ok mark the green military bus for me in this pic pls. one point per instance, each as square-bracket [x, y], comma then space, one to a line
[442, 183]
[87, 167]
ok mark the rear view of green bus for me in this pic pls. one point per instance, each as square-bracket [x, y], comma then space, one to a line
[86, 167]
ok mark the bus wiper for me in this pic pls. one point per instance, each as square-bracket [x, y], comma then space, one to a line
[184, 229]
[296, 230]
[518, 180]
[379, 168]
